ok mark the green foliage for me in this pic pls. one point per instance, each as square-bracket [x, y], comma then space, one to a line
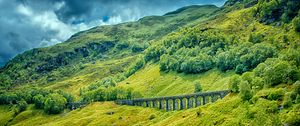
[287, 101]
[293, 117]
[154, 53]
[122, 45]
[8, 98]
[109, 94]
[234, 83]
[226, 61]
[245, 90]
[280, 72]
[136, 47]
[269, 11]
[138, 64]
[197, 86]
[255, 38]
[39, 101]
[244, 57]
[292, 55]
[257, 83]
[54, 103]
[296, 24]
[21, 105]
[5, 80]
[276, 95]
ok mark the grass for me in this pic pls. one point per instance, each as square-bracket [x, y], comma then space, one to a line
[6, 114]
[152, 82]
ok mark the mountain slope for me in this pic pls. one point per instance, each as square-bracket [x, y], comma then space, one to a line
[233, 49]
[51, 64]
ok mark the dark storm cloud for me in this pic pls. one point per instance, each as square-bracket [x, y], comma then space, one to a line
[27, 24]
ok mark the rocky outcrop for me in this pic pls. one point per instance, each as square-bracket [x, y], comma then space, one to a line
[66, 58]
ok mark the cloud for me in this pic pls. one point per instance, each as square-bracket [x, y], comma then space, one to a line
[27, 24]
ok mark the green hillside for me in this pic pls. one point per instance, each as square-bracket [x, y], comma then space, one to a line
[251, 47]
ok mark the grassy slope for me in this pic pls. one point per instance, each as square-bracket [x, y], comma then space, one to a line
[224, 112]
[145, 30]
[152, 82]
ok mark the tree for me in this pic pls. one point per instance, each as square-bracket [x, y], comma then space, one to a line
[296, 24]
[245, 90]
[39, 101]
[280, 72]
[197, 86]
[136, 47]
[164, 62]
[255, 38]
[138, 64]
[226, 61]
[21, 105]
[234, 83]
[257, 83]
[54, 103]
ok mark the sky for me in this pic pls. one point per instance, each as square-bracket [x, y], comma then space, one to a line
[27, 24]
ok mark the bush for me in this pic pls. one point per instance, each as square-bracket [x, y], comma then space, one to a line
[226, 61]
[54, 103]
[245, 91]
[198, 64]
[138, 64]
[287, 101]
[122, 45]
[276, 95]
[39, 101]
[198, 87]
[293, 117]
[234, 83]
[255, 38]
[296, 87]
[257, 83]
[21, 105]
[296, 24]
[152, 116]
[280, 72]
[291, 55]
[136, 47]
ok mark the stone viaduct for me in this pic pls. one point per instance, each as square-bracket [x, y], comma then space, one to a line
[179, 102]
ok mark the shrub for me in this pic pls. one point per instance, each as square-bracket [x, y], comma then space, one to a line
[198, 87]
[296, 87]
[291, 55]
[257, 83]
[39, 101]
[197, 64]
[234, 83]
[296, 24]
[138, 64]
[136, 47]
[245, 91]
[122, 45]
[54, 103]
[21, 105]
[276, 95]
[287, 101]
[152, 116]
[280, 72]
[239, 69]
[256, 38]
[293, 116]
[226, 61]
